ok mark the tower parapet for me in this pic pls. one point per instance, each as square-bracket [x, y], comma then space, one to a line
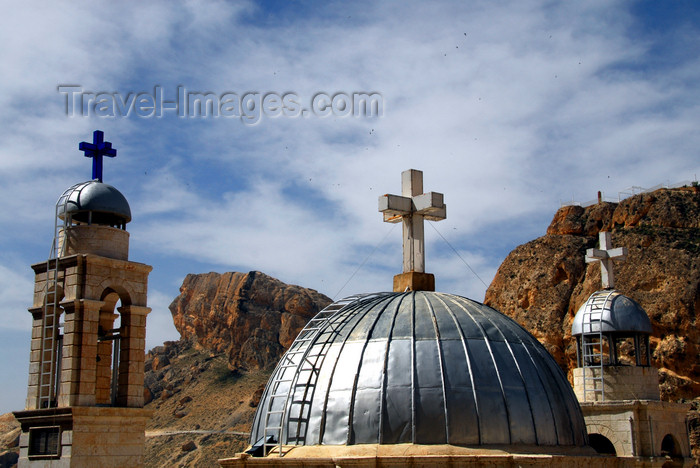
[93, 217]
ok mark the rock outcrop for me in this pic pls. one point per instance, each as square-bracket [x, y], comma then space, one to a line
[250, 316]
[542, 284]
[9, 440]
[202, 411]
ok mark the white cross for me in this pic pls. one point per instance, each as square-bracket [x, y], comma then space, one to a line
[412, 207]
[605, 255]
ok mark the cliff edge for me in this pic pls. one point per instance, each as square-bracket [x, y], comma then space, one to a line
[542, 284]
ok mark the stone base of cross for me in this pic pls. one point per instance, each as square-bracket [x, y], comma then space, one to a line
[605, 255]
[411, 208]
[414, 281]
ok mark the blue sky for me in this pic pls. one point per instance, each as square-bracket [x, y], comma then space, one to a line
[509, 108]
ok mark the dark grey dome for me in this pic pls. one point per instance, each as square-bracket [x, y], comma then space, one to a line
[620, 314]
[417, 367]
[95, 202]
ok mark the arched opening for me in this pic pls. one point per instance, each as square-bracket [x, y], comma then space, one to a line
[670, 447]
[601, 444]
[109, 334]
[631, 350]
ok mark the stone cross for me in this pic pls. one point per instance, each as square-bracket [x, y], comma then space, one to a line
[412, 207]
[96, 150]
[605, 256]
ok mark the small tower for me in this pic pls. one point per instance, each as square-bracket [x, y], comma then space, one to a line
[616, 386]
[84, 402]
[411, 208]
[606, 325]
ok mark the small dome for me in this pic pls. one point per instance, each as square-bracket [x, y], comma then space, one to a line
[621, 314]
[417, 367]
[95, 202]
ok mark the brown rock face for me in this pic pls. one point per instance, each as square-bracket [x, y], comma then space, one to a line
[542, 284]
[251, 316]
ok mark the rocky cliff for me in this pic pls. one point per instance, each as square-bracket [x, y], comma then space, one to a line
[542, 284]
[9, 440]
[205, 387]
[252, 317]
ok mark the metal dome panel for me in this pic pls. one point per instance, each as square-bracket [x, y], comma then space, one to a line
[417, 367]
[106, 203]
[620, 314]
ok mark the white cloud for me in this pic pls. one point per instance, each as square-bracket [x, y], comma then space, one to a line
[507, 108]
[159, 327]
[16, 294]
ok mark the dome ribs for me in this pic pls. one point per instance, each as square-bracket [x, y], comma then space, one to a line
[429, 368]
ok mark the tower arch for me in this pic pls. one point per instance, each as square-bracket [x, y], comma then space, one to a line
[605, 440]
[670, 446]
[602, 444]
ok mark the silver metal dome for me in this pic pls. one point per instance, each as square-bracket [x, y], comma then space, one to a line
[94, 202]
[620, 314]
[417, 367]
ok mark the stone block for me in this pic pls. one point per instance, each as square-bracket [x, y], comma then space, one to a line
[135, 401]
[88, 363]
[69, 327]
[71, 291]
[65, 400]
[414, 281]
[69, 352]
[85, 399]
[71, 365]
[71, 339]
[135, 368]
[138, 332]
[104, 372]
[88, 376]
[66, 437]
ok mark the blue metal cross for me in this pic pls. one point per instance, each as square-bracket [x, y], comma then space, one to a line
[96, 150]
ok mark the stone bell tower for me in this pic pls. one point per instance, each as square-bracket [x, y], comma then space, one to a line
[616, 385]
[84, 402]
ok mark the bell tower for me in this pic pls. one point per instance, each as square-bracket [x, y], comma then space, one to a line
[84, 402]
[616, 385]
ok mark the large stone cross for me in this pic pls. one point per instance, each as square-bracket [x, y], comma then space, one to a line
[412, 207]
[96, 150]
[605, 256]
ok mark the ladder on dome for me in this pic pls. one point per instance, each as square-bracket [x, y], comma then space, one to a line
[592, 345]
[50, 352]
[296, 361]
